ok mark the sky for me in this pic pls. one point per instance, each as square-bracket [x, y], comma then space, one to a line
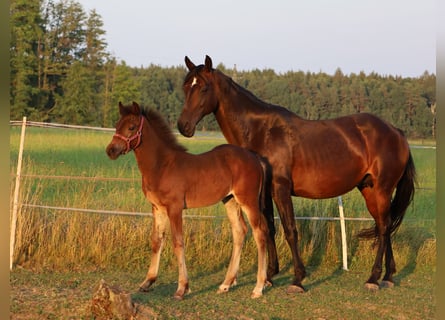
[389, 37]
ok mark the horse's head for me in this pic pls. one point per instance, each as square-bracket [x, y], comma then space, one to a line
[128, 129]
[200, 96]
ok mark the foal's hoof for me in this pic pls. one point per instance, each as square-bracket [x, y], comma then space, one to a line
[371, 286]
[293, 288]
[256, 295]
[386, 284]
[178, 297]
[180, 293]
[223, 289]
[145, 286]
[268, 283]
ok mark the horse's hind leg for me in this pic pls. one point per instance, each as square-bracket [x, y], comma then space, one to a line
[390, 266]
[378, 203]
[239, 230]
[160, 222]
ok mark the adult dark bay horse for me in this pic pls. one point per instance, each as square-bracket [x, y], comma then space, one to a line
[311, 159]
[173, 180]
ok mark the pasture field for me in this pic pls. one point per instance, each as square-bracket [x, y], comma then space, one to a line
[61, 255]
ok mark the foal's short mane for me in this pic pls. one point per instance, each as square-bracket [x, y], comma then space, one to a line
[158, 123]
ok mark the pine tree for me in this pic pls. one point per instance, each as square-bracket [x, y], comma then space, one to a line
[26, 35]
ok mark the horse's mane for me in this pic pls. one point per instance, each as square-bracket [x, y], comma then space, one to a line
[162, 128]
[230, 83]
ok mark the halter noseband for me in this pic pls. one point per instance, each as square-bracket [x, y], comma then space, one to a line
[128, 140]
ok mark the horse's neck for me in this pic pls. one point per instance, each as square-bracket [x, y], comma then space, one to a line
[151, 153]
[234, 111]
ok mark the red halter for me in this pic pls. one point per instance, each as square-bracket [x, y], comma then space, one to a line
[137, 135]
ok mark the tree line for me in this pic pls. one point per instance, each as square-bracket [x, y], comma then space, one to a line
[61, 71]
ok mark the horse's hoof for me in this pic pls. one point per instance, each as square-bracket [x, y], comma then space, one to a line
[268, 283]
[371, 286]
[386, 284]
[293, 288]
[256, 295]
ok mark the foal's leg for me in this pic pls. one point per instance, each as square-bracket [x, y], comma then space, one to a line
[260, 233]
[175, 216]
[160, 222]
[239, 230]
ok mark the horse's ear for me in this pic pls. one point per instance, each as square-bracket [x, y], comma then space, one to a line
[190, 65]
[121, 109]
[208, 63]
[136, 108]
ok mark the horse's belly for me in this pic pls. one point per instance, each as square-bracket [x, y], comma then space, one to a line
[319, 185]
[205, 195]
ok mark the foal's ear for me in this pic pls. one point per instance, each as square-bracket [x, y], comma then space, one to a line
[190, 65]
[136, 108]
[208, 63]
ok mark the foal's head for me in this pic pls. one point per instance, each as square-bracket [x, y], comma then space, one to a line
[200, 95]
[128, 131]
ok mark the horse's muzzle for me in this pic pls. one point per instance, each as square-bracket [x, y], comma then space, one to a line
[113, 151]
[186, 129]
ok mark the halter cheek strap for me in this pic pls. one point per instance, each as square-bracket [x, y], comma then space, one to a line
[128, 140]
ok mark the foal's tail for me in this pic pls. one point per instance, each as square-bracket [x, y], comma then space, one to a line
[264, 183]
[402, 199]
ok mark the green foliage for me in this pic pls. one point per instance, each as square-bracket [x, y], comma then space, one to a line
[61, 71]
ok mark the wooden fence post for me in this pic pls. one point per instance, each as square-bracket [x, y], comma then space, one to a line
[16, 196]
[344, 244]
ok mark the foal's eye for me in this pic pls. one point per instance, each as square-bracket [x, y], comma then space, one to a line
[132, 127]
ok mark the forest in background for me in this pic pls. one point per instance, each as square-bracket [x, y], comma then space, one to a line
[61, 71]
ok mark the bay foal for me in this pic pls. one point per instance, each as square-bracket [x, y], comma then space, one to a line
[173, 180]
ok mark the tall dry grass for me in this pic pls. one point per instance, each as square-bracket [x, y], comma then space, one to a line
[58, 240]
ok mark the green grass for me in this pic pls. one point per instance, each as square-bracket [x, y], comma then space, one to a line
[331, 294]
[61, 254]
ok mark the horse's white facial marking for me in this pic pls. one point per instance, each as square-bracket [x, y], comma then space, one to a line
[195, 81]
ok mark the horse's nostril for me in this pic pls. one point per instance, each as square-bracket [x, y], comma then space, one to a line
[111, 152]
[184, 128]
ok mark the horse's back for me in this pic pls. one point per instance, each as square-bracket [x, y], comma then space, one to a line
[331, 157]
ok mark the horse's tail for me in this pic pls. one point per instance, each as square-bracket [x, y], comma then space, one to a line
[404, 195]
[402, 199]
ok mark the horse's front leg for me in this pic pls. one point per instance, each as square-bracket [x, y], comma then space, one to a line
[239, 230]
[283, 200]
[178, 247]
[273, 265]
[160, 222]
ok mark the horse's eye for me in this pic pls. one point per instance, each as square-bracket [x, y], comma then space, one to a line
[204, 89]
[132, 127]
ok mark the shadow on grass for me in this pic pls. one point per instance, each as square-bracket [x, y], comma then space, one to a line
[411, 237]
[416, 237]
